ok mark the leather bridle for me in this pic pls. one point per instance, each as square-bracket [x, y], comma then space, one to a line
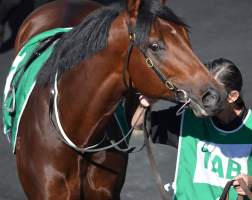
[180, 94]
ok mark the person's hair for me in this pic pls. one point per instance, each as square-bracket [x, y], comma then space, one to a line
[227, 73]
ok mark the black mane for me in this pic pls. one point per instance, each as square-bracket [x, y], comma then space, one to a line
[91, 35]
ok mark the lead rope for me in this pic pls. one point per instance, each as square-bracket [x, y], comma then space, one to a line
[132, 149]
[152, 160]
[225, 196]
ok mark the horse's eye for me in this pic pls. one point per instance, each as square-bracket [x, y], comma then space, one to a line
[154, 46]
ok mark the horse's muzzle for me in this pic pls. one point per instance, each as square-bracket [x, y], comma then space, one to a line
[210, 99]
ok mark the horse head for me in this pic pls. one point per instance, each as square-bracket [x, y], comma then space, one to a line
[152, 44]
[161, 43]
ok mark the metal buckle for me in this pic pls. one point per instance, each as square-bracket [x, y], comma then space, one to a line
[132, 37]
[169, 85]
[149, 63]
[184, 96]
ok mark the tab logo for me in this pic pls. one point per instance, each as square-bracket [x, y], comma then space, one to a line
[219, 163]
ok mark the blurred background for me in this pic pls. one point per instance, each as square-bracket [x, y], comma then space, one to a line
[219, 28]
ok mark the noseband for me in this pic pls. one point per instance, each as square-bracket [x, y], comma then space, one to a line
[180, 94]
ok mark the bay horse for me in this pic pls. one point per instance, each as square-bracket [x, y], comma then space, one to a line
[135, 42]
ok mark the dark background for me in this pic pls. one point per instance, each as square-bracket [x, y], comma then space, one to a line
[219, 28]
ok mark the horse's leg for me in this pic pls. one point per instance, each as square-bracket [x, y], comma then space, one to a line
[46, 178]
[101, 176]
[107, 169]
[47, 168]
[105, 175]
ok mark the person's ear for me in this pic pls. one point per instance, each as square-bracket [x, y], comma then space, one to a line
[233, 96]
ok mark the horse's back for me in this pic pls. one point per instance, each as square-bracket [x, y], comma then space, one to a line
[52, 15]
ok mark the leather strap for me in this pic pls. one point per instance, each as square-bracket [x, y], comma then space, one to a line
[152, 160]
[224, 195]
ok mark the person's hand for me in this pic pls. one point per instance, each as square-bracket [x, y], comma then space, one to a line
[247, 179]
[138, 117]
[144, 102]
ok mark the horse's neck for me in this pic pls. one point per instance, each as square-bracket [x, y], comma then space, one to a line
[90, 92]
[88, 95]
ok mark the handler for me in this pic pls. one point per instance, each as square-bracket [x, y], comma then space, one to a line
[213, 150]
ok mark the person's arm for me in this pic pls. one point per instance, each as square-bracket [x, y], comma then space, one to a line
[138, 117]
[163, 125]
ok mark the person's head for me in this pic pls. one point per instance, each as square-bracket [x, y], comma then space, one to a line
[228, 74]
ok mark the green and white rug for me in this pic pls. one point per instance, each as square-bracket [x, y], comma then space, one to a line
[20, 83]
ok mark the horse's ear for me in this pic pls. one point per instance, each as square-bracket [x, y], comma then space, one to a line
[133, 7]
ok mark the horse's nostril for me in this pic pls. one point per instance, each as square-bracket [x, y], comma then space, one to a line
[210, 98]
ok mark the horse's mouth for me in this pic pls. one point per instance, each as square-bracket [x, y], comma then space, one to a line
[198, 110]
